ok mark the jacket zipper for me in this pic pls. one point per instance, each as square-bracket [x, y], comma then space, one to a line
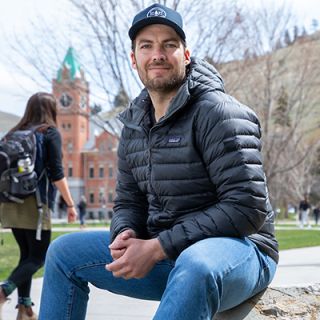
[148, 135]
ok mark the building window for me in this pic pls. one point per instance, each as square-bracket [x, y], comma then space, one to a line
[101, 172]
[91, 172]
[110, 196]
[70, 147]
[110, 171]
[102, 199]
[70, 171]
[91, 197]
[102, 147]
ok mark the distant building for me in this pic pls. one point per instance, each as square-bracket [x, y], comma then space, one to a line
[7, 121]
[89, 152]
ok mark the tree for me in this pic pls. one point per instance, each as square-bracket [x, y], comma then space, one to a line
[99, 33]
[281, 114]
[314, 25]
[282, 87]
[251, 47]
[296, 33]
[287, 38]
[121, 100]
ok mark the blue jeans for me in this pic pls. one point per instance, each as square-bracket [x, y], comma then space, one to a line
[218, 273]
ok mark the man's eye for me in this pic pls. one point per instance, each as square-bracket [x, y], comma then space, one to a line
[145, 46]
[171, 45]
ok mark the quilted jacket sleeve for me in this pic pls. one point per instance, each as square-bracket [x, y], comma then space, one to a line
[130, 209]
[227, 136]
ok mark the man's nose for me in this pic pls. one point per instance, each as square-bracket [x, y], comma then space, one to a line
[158, 55]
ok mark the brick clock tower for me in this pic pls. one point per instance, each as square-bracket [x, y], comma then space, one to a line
[72, 93]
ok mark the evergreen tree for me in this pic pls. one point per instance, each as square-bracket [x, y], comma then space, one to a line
[121, 99]
[95, 109]
[295, 33]
[287, 38]
[281, 115]
[314, 25]
[303, 32]
[279, 44]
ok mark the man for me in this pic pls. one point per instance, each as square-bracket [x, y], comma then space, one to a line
[192, 225]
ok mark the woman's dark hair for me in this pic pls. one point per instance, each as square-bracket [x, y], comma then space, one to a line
[41, 109]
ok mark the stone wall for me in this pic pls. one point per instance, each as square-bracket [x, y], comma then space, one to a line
[292, 303]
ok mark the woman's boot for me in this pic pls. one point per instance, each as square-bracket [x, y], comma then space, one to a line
[25, 313]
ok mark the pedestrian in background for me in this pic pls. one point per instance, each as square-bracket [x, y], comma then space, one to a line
[304, 211]
[316, 213]
[22, 218]
[82, 206]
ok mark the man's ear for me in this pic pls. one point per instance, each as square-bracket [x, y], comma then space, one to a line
[133, 60]
[187, 56]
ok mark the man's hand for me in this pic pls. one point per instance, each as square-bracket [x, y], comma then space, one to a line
[118, 246]
[137, 257]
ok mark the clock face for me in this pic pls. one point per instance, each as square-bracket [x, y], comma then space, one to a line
[65, 100]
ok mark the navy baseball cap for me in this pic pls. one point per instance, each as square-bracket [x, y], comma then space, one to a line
[157, 14]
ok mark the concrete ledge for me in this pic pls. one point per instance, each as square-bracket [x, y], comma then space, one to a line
[287, 303]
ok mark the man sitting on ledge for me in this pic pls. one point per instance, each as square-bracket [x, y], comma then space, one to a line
[192, 225]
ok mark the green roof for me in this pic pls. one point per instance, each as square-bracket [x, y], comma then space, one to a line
[72, 64]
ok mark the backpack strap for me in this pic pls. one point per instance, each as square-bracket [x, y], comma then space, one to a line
[40, 217]
[44, 173]
[12, 198]
[37, 194]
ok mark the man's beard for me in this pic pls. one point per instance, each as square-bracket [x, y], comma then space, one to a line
[165, 85]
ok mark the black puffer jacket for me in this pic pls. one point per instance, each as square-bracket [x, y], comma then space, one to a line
[196, 173]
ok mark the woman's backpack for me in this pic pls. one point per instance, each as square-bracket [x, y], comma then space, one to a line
[18, 178]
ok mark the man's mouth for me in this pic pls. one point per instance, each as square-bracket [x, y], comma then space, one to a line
[158, 67]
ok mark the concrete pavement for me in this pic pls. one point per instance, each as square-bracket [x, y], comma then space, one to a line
[297, 267]
[102, 305]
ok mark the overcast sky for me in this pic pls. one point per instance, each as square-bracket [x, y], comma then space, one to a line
[15, 15]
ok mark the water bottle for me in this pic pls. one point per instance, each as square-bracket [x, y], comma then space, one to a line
[24, 165]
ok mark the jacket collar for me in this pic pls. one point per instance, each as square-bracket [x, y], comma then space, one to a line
[201, 77]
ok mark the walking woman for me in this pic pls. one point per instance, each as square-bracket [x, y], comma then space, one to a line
[41, 112]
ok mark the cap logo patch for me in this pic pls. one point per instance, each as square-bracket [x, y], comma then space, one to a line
[156, 12]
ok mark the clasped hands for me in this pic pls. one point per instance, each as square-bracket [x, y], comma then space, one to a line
[133, 258]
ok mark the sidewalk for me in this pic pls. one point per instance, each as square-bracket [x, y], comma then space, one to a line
[297, 267]
[102, 305]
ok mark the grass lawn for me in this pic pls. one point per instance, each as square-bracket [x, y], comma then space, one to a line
[288, 239]
[9, 254]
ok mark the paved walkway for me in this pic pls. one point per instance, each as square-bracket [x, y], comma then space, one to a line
[296, 267]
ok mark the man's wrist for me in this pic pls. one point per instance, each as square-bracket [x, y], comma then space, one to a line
[159, 252]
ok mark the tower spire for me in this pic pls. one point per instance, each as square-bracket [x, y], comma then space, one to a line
[70, 68]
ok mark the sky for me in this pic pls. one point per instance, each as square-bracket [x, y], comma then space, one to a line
[15, 18]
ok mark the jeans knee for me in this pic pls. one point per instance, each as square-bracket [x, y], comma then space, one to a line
[57, 247]
[196, 269]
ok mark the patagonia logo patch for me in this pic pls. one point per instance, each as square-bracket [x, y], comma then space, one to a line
[174, 139]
